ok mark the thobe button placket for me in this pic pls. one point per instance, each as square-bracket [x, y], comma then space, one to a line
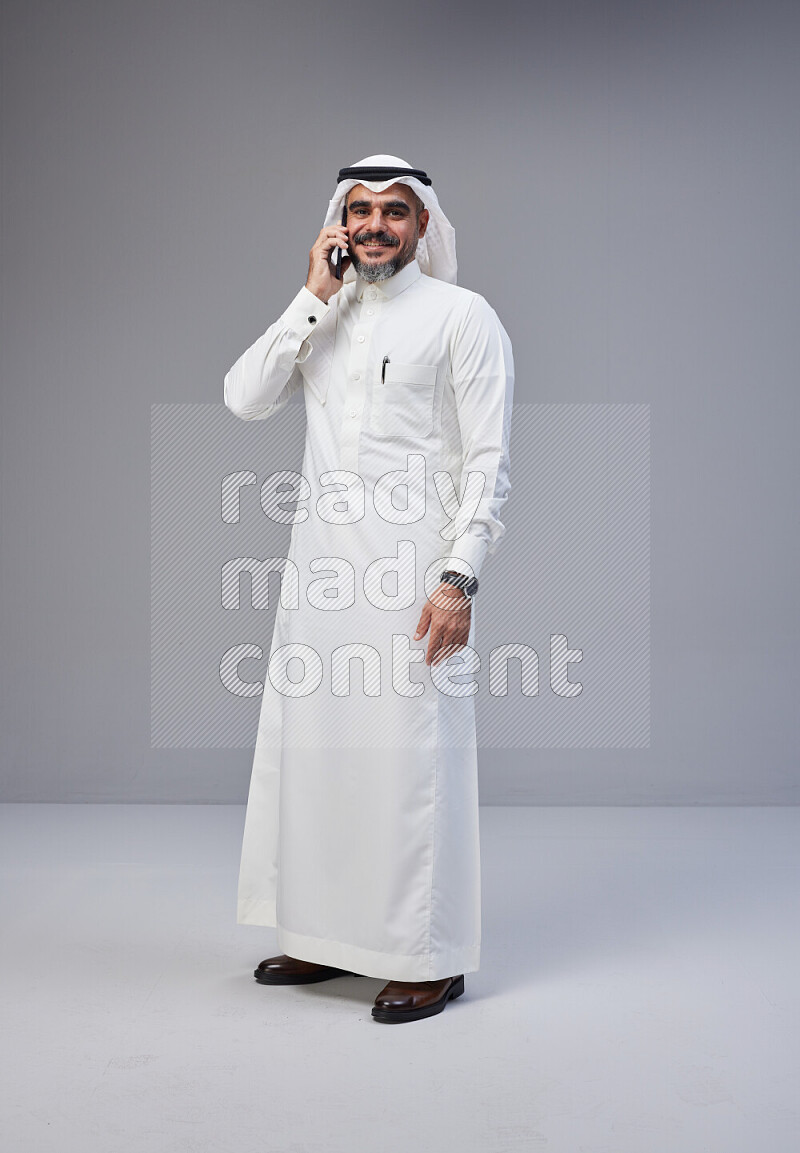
[360, 340]
[354, 395]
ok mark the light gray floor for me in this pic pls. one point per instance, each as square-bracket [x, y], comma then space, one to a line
[637, 994]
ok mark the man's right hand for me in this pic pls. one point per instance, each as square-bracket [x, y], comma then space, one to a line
[321, 280]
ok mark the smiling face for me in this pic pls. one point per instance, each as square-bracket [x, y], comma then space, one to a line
[383, 228]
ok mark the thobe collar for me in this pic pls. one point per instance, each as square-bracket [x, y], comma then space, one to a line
[387, 289]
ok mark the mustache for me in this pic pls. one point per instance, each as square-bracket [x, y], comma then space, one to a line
[376, 237]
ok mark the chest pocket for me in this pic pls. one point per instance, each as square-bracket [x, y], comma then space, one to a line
[402, 405]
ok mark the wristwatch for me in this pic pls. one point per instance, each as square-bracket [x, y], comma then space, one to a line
[468, 585]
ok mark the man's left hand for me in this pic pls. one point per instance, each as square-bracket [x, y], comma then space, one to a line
[448, 612]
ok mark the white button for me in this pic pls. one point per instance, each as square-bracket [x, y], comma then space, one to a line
[361, 339]
[353, 412]
[356, 376]
[370, 312]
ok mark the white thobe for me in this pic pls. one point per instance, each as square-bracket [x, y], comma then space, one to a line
[361, 834]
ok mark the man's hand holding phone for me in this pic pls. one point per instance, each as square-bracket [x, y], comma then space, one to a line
[322, 279]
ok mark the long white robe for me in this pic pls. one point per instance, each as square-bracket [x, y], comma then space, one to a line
[361, 840]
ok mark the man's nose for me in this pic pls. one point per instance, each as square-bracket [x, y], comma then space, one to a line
[376, 222]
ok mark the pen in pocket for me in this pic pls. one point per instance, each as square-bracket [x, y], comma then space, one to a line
[383, 369]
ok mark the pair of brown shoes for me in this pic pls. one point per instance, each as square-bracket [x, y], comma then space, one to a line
[397, 1001]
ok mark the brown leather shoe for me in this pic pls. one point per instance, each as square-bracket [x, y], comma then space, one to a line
[411, 1000]
[285, 970]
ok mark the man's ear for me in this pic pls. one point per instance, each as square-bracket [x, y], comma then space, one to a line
[424, 217]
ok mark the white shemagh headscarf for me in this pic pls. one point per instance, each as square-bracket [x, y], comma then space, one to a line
[436, 250]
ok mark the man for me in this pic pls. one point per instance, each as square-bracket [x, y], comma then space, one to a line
[361, 835]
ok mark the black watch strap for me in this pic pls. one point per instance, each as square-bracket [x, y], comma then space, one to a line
[467, 584]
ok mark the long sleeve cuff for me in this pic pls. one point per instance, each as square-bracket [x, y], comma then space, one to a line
[303, 315]
[467, 555]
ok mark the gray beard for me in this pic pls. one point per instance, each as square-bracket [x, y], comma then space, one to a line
[373, 273]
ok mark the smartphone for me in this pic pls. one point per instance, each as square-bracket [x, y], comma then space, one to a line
[337, 268]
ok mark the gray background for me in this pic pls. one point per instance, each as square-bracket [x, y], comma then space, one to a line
[623, 180]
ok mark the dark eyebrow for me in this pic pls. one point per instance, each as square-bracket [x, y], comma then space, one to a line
[389, 204]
